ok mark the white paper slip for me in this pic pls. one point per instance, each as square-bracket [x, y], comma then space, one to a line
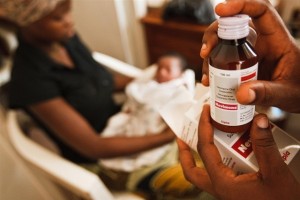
[183, 112]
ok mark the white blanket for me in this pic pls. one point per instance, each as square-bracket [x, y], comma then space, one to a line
[139, 117]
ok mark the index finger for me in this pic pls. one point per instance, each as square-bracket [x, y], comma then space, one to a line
[208, 150]
[209, 41]
[262, 13]
[196, 175]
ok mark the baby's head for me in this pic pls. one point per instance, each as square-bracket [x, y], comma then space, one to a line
[171, 65]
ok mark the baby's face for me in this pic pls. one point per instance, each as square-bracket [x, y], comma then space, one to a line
[168, 69]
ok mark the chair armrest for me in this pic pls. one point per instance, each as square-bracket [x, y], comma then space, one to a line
[117, 66]
[70, 176]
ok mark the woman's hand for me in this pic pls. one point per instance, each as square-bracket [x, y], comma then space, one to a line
[272, 181]
[279, 57]
[121, 81]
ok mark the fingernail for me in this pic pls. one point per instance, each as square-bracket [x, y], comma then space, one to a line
[251, 95]
[203, 47]
[263, 122]
[204, 78]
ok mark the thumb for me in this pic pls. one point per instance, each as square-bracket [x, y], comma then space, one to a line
[265, 149]
[282, 94]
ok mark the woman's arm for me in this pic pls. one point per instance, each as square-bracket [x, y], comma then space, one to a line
[76, 132]
[121, 81]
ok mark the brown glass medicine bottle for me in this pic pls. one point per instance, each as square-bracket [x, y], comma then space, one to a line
[232, 62]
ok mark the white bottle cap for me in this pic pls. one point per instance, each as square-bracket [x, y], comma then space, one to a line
[233, 28]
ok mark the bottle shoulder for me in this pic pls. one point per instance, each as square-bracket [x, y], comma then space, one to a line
[230, 54]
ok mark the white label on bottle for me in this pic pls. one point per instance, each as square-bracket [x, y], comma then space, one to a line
[223, 104]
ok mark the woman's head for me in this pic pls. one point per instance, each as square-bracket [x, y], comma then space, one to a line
[25, 12]
[170, 66]
[56, 26]
[40, 20]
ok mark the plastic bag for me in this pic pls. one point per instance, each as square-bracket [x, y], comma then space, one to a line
[199, 11]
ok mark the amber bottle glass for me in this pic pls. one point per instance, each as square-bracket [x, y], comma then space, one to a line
[232, 62]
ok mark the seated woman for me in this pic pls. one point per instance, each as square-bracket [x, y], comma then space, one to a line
[56, 81]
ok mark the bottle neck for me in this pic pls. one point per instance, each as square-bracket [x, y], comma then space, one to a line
[234, 42]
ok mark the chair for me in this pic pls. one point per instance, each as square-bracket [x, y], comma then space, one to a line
[79, 182]
[74, 178]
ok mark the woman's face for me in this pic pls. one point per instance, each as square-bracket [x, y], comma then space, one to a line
[168, 69]
[55, 27]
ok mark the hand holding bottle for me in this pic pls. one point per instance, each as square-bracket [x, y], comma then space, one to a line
[278, 85]
[279, 57]
[272, 181]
